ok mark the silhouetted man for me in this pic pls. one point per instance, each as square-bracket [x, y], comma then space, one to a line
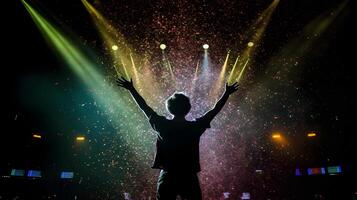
[177, 145]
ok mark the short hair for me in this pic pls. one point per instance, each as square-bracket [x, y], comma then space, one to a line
[178, 104]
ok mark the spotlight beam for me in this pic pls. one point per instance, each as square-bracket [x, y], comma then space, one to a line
[171, 71]
[111, 37]
[221, 76]
[256, 30]
[224, 67]
[167, 64]
[124, 67]
[108, 97]
[194, 80]
[230, 78]
[134, 69]
[125, 54]
[108, 35]
[242, 71]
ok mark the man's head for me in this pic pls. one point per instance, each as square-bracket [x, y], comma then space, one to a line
[178, 104]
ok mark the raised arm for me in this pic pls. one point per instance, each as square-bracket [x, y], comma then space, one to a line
[122, 82]
[230, 89]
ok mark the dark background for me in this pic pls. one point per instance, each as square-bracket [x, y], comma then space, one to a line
[329, 81]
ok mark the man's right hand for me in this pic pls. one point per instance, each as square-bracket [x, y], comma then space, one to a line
[230, 89]
[122, 82]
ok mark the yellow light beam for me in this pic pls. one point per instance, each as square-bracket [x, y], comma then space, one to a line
[171, 71]
[221, 77]
[112, 38]
[167, 63]
[134, 69]
[117, 70]
[195, 76]
[121, 53]
[108, 30]
[233, 71]
[224, 67]
[125, 70]
[124, 54]
[258, 28]
[241, 72]
[256, 31]
[299, 47]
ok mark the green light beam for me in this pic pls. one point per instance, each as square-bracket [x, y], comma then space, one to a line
[114, 104]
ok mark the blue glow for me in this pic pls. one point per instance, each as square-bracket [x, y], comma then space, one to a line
[298, 172]
[67, 175]
[34, 173]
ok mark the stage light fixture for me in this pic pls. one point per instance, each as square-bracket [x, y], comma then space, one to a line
[311, 134]
[80, 138]
[37, 136]
[115, 47]
[162, 46]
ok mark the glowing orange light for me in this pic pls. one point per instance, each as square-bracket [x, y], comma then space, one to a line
[37, 136]
[276, 136]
